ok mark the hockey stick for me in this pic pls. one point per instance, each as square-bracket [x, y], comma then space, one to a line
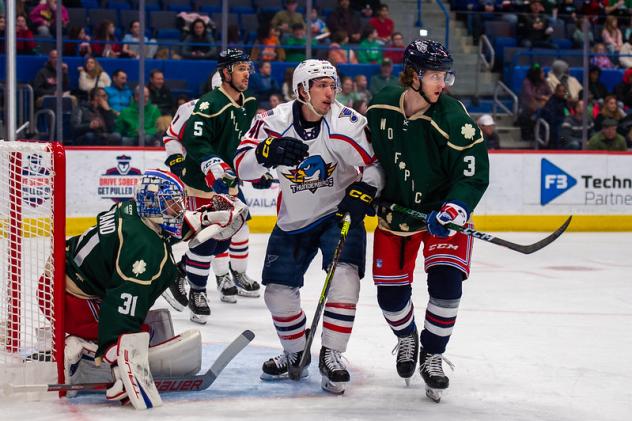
[193, 383]
[294, 373]
[525, 249]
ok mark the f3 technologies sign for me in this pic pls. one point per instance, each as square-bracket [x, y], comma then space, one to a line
[602, 181]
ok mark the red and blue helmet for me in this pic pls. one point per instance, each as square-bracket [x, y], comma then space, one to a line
[161, 198]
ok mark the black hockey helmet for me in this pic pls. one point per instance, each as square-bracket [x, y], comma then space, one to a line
[231, 56]
[426, 54]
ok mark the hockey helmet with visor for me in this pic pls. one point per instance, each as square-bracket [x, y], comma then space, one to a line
[424, 55]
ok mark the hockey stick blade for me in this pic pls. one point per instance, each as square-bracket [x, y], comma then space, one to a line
[524, 249]
[192, 383]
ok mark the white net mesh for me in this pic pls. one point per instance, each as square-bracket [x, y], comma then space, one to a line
[27, 305]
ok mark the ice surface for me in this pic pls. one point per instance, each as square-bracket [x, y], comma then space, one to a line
[546, 336]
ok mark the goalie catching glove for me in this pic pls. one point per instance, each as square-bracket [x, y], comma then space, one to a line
[357, 202]
[450, 213]
[275, 151]
[220, 219]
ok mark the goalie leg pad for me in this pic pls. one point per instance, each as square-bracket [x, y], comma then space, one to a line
[133, 368]
[160, 326]
[179, 356]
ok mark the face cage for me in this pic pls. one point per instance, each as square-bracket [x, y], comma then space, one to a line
[172, 224]
[449, 79]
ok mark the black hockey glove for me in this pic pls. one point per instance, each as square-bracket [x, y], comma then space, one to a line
[265, 182]
[275, 151]
[175, 163]
[358, 202]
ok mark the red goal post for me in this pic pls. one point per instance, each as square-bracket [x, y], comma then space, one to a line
[32, 262]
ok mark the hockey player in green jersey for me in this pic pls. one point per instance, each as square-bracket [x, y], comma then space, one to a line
[117, 269]
[210, 138]
[435, 161]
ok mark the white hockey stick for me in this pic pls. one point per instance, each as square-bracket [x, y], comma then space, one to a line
[192, 383]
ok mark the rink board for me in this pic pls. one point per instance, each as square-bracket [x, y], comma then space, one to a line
[528, 191]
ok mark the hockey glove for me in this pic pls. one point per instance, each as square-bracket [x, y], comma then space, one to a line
[275, 151]
[219, 176]
[450, 213]
[264, 182]
[175, 163]
[358, 202]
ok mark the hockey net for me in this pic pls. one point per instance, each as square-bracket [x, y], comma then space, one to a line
[32, 244]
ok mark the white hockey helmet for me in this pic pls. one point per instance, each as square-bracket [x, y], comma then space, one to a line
[312, 69]
[216, 80]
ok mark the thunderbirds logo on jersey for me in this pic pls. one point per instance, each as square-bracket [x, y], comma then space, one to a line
[118, 182]
[35, 181]
[311, 174]
[553, 181]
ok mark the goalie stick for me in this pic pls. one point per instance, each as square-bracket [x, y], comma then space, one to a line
[294, 373]
[525, 249]
[191, 383]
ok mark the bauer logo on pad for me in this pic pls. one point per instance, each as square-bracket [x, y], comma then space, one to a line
[553, 181]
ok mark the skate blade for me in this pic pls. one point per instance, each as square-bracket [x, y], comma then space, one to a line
[332, 387]
[407, 381]
[230, 299]
[434, 394]
[198, 318]
[172, 301]
[272, 378]
[250, 294]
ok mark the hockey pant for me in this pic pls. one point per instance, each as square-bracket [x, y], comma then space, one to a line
[284, 303]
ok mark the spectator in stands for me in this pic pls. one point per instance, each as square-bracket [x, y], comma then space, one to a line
[346, 96]
[274, 100]
[200, 35]
[286, 86]
[534, 94]
[262, 84]
[625, 53]
[127, 122]
[366, 14]
[535, 28]
[361, 105]
[611, 34]
[339, 50]
[91, 76]
[383, 23]
[559, 74]
[617, 7]
[600, 57]
[267, 47]
[319, 28]
[284, 19]
[567, 11]
[483, 11]
[597, 89]
[45, 82]
[384, 78]
[94, 122]
[623, 90]
[131, 40]
[159, 93]
[572, 127]
[607, 139]
[395, 49]
[3, 28]
[488, 128]
[119, 94]
[43, 17]
[578, 33]
[610, 110]
[105, 43]
[593, 9]
[345, 19]
[295, 44]
[370, 49]
[24, 43]
[362, 88]
[554, 112]
[77, 43]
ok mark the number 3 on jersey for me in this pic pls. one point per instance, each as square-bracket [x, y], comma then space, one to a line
[129, 304]
[471, 166]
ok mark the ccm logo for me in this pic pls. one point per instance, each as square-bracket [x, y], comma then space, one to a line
[443, 247]
[357, 194]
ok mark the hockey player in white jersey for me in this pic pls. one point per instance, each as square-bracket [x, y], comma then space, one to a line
[326, 168]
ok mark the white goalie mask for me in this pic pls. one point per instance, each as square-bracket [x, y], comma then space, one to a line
[309, 70]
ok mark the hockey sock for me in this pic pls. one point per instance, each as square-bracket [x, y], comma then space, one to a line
[197, 261]
[239, 250]
[397, 307]
[220, 264]
[445, 288]
[289, 319]
[340, 308]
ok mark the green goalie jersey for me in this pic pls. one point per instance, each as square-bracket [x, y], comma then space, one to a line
[123, 262]
[214, 130]
[429, 158]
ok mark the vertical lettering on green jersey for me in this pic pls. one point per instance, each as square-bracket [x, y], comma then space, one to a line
[106, 222]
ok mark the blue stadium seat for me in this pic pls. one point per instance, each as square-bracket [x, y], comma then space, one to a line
[241, 6]
[96, 16]
[119, 5]
[168, 33]
[90, 4]
[179, 5]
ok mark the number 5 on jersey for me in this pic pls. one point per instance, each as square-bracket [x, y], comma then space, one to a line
[129, 304]
[197, 128]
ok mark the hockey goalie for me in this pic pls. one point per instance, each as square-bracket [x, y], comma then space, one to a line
[117, 269]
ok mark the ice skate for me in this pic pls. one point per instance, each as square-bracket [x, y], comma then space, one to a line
[198, 304]
[246, 286]
[276, 368]
[333, 370]
[176, 294]
[431, 370]
[227, 289]
[407, 349]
